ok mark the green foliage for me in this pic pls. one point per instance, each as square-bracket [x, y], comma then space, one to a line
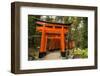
[32, 31]
[31, 25]
[84, 33]
[79, 32]
[82, 53]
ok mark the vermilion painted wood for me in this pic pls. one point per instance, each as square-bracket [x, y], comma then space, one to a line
[52, 33]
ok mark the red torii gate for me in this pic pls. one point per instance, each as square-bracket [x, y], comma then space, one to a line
[53, 31]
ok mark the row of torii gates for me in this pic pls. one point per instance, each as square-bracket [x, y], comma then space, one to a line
[55, 32]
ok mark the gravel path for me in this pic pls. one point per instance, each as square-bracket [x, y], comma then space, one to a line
[52, 56]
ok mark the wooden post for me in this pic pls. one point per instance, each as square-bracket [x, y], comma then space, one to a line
[42, 51]
[45, 43]
[62, 43]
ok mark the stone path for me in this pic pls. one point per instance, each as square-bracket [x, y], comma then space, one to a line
[52, 56]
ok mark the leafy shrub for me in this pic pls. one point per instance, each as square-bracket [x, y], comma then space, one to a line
[80, 53]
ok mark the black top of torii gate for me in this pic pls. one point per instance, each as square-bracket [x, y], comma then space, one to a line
[68, 24]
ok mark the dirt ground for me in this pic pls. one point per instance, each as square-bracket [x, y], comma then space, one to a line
[52, 56]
